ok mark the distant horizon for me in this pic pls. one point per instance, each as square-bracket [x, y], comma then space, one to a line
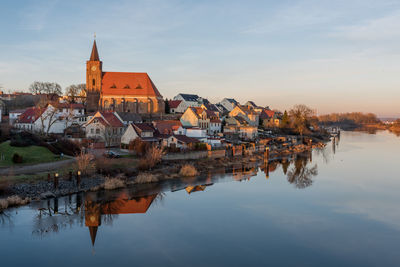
[333, 57]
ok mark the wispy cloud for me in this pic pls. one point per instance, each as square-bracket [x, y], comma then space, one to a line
[377, 29]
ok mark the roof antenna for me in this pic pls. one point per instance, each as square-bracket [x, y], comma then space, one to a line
[95, 35]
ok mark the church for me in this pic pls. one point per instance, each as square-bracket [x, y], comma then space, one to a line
[131, 92]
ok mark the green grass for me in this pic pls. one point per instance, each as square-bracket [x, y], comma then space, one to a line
[30, 154]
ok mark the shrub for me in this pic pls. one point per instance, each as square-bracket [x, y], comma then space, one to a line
[139, 146]
[84, 163]
[13, 201]
[145, 177]
[17, 158]
[188, 170]
[152, 158]
[113, 183]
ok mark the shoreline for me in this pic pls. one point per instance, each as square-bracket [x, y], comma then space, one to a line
[23, 193]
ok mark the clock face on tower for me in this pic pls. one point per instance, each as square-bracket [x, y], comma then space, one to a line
[94, 68]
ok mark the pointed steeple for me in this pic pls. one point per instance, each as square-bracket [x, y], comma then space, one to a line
[93, 233]
[95, 55]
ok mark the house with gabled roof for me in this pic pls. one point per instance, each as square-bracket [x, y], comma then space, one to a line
[248, 114]
[52, 118]
[203, 119]
[143, 131]
[177, 106]
[105, 127]
[229, 103]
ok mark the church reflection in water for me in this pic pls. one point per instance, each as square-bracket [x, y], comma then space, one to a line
[92, 209]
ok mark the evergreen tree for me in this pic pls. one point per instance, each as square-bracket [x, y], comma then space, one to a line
[167, 107]
[285, 120]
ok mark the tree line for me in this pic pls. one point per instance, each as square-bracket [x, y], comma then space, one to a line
[73, 92]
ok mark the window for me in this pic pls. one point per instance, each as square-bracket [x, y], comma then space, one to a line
[127, 87]
[97, 131]
[92, 131]
[94, 82]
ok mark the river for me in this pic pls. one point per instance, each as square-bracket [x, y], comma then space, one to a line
[338, 206]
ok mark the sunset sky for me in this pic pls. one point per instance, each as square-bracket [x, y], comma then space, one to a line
[334, 56]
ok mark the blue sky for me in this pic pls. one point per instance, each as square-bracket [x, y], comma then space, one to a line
[331, 55]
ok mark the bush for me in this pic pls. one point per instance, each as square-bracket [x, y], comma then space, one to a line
[85, 164]
[188, 170]
[17, 158]
[13, 201]
[113, 183]
[144, 178]
[152, 158]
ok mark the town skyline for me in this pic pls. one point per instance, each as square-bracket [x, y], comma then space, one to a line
[270, 56]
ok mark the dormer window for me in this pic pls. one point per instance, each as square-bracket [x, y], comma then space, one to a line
[127, 87]
[139, 86]
[113, 86]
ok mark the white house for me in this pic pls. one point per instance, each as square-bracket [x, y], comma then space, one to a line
[54, 118]
[229, 103]
[145, 132]
[177, 106]
[201, 118]
[105, 127]
[14, 115]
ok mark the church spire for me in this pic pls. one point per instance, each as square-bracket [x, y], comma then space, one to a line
[95, 55]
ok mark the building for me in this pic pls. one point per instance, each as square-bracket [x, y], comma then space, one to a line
[128, 117]
[105, 127]
[144, 131]
[229, 103]
[177, 106]
[249, 115]
[202, 118]
[53, 118]
[120, 91]
[167, 126]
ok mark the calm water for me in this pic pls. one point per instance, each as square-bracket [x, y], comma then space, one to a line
[336, 207]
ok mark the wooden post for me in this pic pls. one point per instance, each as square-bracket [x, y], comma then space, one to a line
[56, 181]
[48, 177]
[78, 178]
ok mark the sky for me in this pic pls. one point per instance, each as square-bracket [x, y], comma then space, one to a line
[334, 56]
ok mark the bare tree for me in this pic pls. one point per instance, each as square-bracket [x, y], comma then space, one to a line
[45, 88]
[47, 116]
[300, 116]
[75, 91]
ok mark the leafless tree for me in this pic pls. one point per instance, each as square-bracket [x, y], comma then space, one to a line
[47, 116]
[45, 88]
[300, 116]
[300, 174]
[75, 91]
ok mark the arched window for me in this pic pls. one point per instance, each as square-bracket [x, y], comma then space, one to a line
[94, 82]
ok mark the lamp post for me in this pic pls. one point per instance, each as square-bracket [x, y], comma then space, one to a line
[56, 180]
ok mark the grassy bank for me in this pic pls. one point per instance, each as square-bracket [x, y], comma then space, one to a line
[30, 154]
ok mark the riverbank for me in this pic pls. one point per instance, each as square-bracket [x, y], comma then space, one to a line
[166, 170]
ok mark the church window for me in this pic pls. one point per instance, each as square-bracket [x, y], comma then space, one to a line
[139, 86]
[113, 86]
[94, 82]
[127, 86]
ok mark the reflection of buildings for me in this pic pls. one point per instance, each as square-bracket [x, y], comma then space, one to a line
[122, 205]
[191, 189]
[244, 172]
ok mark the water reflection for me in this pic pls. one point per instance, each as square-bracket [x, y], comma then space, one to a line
[94, 209]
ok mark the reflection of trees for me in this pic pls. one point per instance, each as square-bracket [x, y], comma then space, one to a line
[300, 174]
[6, 218]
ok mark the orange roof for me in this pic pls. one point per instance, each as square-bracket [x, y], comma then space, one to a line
[167, 127]
[125, 206]
[128, 83]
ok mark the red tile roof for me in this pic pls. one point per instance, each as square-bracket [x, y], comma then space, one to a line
[30, 115]
[128, 83]
[174, 103]
[144, 127]
[168, 126]
[266, 114]
[111, 119]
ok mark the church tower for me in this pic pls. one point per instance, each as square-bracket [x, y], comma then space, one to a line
[93, 80]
